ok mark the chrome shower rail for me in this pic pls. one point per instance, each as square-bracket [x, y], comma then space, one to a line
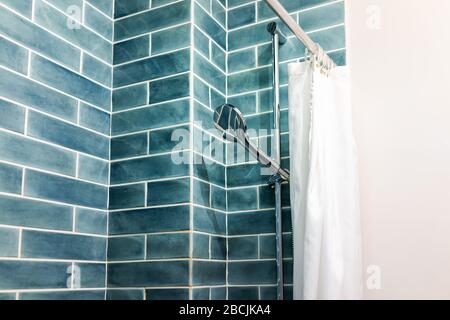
[312, 47]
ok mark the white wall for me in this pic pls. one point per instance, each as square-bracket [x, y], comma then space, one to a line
[401, 101]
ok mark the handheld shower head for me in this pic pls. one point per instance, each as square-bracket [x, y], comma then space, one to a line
[230, 121]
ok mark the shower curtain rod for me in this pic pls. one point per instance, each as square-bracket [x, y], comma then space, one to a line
[312, 47]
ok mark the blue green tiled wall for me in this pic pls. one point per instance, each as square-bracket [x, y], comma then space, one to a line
[87, 117]
[55, 104]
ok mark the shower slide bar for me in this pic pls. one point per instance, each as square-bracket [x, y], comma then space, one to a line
[315, 49]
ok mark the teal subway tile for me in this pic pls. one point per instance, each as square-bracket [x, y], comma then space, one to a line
[169, 88]
[72, 295]
[129, 97]
[23, 7]
[106, 6]
[206, 4]
[218, 12]
[322, 17]
[243, 293]
[148, 274]
[245, 175]
[168, 192]
[267, 197]
[32, 94]
[242, 16]
[92, 169]
[130, 196]
[208, 170]
[168, 246]
[35, 214]
[218, 150]
[219, 293]
[70, 191]
[126, 248]
[339, 57]
[243, 248]
[201, 193]
[129, 146]
[67, 135]
[45, 275]
[207, 220]
[203, 117]
[218, 56]
[245, 103]
[125, 294]
[208, 273]
[254, 222]
[153, 20]
[163, 219]
[92, 275]
[70, 82]
[98, 22]
[10, 178]
[269, 293]
[267, 248]
[91, 221]
[97, 70]
[95, 119]
[200, 246]
[241, 60]
[170, 113]
[201, 91]
[201, 142]
[218, 248]
[32, 36]
[235, 3]
[7, 296]
[167, 294]
[50, 245]
[200, 293]
[152, 68]
[24, 151]
[201, 42]
[133, 49]
[266, 99]
[265, 12]
[210, 73]
[288, 271]
[9, 242]
[248, 36]
[252, 272]
[217, 98]
[13, 56]
[67, 6]
[12, 116]
[251, 80]
[210, 26]
[242, 199]
[180, 37]
[330, 39]
[218, 198]
[142, 169]
[51, 19]
[127, 7]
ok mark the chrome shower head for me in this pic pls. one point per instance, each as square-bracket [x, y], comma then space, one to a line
[230, 121]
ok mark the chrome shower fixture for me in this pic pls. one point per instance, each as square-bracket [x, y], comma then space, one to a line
[230, 121]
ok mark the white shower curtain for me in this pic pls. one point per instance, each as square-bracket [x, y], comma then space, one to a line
[324, 185]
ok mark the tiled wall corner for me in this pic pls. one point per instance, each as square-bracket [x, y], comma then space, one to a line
[55, 104]
[149, 247]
